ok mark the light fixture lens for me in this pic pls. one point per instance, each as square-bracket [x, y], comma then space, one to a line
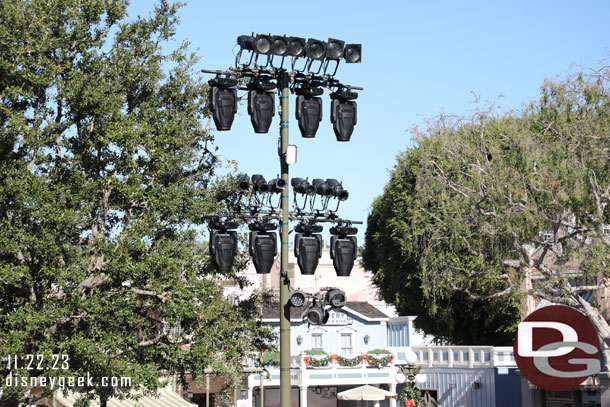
[334, 49]
[296, 46]
[421, 378]
[316, 315]
[400, 378]
[262, 44]
[297, 299]
[352, 53]
[279, 46]
[336, 298]
[315, 49]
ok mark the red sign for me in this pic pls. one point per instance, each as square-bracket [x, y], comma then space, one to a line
[557, 348]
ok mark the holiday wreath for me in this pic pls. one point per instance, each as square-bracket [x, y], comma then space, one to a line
[410, 397]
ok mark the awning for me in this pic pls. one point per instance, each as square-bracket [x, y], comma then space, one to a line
[166, 397]
[366, 392]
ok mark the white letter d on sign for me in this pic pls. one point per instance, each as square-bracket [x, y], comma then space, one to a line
[525, 333]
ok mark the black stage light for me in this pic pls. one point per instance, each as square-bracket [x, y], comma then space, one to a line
[337, 189]
[298, 299]
[261, 108]
[245, 42]
[309, 114]
[343, 249]
[263, 245]
[296, 46]
[308, 247]
[321, 187]
[223, 244]
[352, 53]
[334, 49]
[223, 102]
[343, 117]
[277, 185]
[259, 184]
[335, 298]
[317, 315]
[279, 45]
[243, 182]
[343, 113]
[308, 250]
[315, 49]
[302, 186]
[260, 44]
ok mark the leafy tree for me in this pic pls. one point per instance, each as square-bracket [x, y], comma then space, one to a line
[106, 178]
[486, 212]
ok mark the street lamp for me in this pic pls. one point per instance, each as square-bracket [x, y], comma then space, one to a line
[410, 373]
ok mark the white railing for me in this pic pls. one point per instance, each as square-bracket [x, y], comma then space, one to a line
[458, 356]
[427, 356]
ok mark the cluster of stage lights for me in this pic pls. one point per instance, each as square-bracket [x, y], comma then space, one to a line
[317, 305]
[263, 236]
[297, 47]
[259, 192]
[307, 87]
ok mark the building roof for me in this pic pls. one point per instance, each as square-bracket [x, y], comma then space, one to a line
[359, 308]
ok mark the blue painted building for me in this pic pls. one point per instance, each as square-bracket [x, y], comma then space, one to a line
[481, 376]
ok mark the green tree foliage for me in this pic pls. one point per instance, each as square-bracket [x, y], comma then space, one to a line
[458, 236]
[106, 177]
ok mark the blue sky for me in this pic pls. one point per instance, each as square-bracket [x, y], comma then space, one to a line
[419, 59]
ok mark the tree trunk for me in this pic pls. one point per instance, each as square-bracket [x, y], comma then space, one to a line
[603, 330]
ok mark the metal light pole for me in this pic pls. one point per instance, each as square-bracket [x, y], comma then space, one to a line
[285, 382]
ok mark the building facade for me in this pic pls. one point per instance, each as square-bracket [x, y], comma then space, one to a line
[360, 345]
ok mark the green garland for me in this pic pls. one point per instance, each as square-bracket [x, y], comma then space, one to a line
[318, 362]
[341, 361]
[379, 362]
[410, 397]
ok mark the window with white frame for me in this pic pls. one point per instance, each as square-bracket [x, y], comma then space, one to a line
[317, 341]
[548, 236]
[346, 344]
[606, 230]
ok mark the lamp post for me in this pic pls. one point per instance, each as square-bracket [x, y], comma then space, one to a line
[308, 85]
[285, 384]
[409, 372]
